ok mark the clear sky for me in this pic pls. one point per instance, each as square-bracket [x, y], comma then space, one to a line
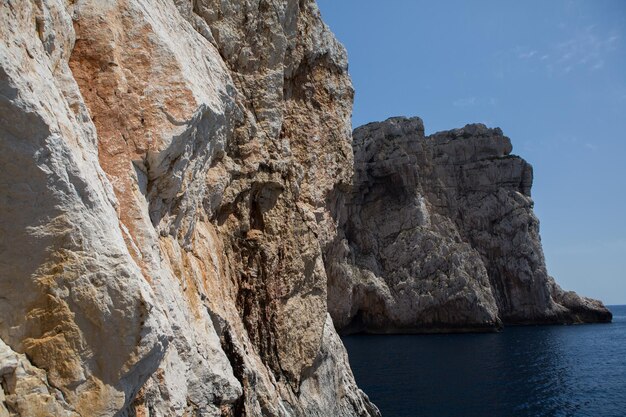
[551, 74]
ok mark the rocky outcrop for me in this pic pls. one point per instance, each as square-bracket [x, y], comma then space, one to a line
[167, 172]
[438, 234]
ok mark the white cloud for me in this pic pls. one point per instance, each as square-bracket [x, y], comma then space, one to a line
[464, 102]
[475, 101]
[587, 49]
[527, 55]
[598, 65]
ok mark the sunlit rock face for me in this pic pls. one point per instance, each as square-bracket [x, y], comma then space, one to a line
[181, 210]
[438, 234]
[168, 169]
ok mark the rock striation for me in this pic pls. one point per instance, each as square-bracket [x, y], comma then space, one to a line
[438, 234]
[167, 173]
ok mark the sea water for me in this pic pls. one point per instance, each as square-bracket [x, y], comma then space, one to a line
[575, 370]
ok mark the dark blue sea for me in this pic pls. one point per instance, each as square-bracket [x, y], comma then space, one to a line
[523, 371]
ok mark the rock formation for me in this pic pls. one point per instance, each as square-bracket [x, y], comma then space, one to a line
[176, 187]
[438, 234]
[167, 168]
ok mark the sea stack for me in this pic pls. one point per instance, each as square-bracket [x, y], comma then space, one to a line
[438, 234]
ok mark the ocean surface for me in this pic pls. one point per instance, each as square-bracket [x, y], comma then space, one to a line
[523, 371]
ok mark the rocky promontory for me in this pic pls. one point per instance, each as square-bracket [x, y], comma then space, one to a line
[438, 234]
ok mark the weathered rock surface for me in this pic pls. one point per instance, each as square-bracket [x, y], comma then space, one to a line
[438, 234]
[172, 173]
[167, 172]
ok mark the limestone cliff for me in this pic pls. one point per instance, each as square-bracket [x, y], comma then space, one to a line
[180, 210]
[167, 168]
[438, 234]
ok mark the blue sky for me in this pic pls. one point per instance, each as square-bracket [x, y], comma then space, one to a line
[551, 74]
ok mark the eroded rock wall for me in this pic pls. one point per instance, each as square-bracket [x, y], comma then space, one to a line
[438, 234]
[167, 172]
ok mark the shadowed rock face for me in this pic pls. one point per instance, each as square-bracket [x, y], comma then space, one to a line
[438, 234]
[166, 172]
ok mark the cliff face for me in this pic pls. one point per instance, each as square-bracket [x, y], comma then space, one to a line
[176, 187]
[167, 168]
[438, 234]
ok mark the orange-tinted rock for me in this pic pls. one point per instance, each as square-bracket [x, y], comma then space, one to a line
[166, 173]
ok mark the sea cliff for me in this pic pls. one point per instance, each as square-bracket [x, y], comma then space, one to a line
[438, 234]
[181, 210]
[166, 167]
